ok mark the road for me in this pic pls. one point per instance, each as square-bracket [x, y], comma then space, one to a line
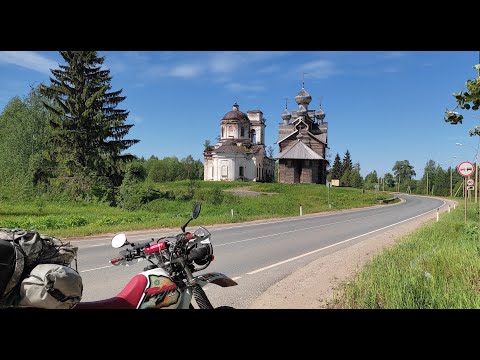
[256, 254]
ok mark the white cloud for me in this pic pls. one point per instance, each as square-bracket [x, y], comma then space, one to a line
[28, 59]
[186, 70]
[154, 71]
[244, 87]
[269, 69]
[136, 118]
[228, 62]
[319, 69]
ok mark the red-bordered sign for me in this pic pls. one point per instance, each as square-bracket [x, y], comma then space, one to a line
[466, 168]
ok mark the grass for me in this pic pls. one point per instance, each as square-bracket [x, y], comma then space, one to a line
[435, 267]
[68, 219]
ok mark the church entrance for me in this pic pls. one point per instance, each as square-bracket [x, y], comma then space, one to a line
[297, 171]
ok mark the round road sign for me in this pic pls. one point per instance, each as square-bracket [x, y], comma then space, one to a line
[466, 168]
[470, 182]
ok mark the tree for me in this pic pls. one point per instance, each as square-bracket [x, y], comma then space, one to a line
[389, 180]
[270, 151]
[345, 179]
[24, 147]
[467, 100]
[403, 170]
[206, 144]
[371, 179]
[88, 129]
[355, 178]
[347, 162]
[337, 168]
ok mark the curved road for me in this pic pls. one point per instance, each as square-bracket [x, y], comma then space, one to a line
[256, 254]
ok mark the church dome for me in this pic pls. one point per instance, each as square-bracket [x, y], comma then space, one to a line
[236, 114]
[286, 115]
[319, 114]
[303, 97]
[302, 110]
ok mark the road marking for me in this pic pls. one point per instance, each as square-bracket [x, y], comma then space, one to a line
[302, 229]
[236, 278]
[329, 246]
[103, 267]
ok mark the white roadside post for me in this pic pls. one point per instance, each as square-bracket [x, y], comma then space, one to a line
[301, 214]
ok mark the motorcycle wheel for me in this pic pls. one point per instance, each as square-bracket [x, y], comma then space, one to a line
[224, 307]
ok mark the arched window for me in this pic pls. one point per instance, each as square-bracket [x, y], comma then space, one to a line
[253, 137]
[230, 131]
[242, 131]
[223, 130]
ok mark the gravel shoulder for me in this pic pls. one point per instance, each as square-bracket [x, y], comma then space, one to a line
[314, 286]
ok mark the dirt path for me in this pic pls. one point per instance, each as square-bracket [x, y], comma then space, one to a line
[313, 286]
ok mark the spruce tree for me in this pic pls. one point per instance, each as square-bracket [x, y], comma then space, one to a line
[347, 162]
[88, 129]
[337, 168]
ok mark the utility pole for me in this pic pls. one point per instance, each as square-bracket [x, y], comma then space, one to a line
[475, 189]
[427, 182]
[451, 182]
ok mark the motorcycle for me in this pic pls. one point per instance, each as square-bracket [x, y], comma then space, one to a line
[168, 281]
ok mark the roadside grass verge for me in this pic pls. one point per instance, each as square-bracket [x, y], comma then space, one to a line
[435, 267]
[68, 219]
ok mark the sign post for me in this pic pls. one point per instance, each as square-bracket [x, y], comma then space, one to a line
[329, 185]
[466, 168]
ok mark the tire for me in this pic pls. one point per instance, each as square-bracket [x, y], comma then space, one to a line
[224, 307]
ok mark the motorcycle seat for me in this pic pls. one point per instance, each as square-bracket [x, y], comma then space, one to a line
[128, 298]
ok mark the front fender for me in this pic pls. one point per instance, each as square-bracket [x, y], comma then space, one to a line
[215, 278]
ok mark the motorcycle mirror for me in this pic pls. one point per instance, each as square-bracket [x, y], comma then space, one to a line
[119, 240]
[196, 210]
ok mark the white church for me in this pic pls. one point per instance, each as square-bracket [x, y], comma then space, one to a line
[240, 155]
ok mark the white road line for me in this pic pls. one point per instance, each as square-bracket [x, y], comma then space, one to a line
[103, 267]
[236, 278]
[302, 229]
[329, 246]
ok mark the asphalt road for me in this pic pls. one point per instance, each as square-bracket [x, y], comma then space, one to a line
[256, 254]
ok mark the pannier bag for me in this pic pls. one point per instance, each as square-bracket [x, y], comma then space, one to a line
[51, 286]
[30, 249]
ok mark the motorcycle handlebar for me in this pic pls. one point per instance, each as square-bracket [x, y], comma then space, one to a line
[116, 260]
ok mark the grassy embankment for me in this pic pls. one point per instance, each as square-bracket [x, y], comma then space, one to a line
[66, 219]
[435, 267]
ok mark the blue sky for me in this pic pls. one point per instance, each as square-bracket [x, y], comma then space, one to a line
[381, 106]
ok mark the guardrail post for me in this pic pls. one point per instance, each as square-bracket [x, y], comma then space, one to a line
[437, 214]
[301, 214]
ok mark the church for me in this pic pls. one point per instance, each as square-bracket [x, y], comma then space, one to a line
[240, 154]
[302, 141]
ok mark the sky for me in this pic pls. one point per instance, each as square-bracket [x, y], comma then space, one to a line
[381, 106]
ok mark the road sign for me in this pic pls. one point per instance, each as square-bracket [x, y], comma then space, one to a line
[466, 168]
[470, 182]
[471, 187]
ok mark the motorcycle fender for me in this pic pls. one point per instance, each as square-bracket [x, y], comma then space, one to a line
[215, 278]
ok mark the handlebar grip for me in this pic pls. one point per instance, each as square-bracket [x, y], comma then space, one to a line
[116, 260]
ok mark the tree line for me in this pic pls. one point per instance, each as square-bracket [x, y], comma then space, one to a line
[435, 179]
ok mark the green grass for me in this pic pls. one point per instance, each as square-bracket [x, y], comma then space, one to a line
[67, 219]
[435, 267]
